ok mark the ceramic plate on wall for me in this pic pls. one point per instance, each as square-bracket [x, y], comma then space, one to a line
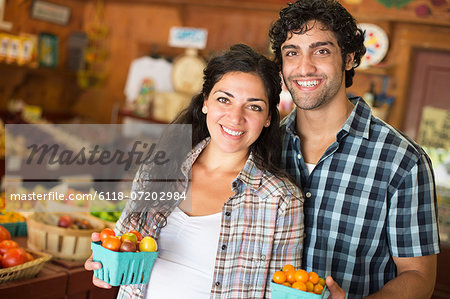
[376, 42]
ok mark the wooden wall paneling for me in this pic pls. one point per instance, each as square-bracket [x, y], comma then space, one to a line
[130, 26]
[227, 26]
[409, 37]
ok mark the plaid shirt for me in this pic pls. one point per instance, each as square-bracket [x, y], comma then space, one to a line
[371, 196]
[261, 230]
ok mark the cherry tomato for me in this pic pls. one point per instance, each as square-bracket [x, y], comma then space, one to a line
[111, 243]
[138, 234]
[107, 232]
[129, 237]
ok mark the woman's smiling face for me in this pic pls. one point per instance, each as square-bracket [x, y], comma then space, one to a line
[237, 111]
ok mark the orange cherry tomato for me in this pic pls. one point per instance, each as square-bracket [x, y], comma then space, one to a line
[290, 276]
[318, 289]
[106, 232]
[321, 281]
[279, 277]
[301, 275]
[288, 267]
[313, 277]
[299, 286]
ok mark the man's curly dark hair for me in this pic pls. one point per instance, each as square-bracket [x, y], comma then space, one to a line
[333, 16]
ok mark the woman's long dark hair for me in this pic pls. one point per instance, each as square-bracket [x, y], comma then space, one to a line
[241, 58]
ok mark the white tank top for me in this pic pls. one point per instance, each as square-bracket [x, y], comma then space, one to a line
[187, 256]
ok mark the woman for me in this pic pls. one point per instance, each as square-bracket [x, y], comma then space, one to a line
[244, 218]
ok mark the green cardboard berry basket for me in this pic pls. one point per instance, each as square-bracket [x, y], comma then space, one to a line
[280, 291]
[123, 268]
[16, 229]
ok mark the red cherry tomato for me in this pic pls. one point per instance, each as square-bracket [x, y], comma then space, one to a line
[14, 257]
[7, 244]
[107, 232]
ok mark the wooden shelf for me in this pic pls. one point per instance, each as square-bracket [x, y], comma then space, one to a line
[43, 71]
[126, 113]
[382, 70]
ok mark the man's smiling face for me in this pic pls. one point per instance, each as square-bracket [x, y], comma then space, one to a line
[313, 67]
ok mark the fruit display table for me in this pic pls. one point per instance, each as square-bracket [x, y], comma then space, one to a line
[58, 279]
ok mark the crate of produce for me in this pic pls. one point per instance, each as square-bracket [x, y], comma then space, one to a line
[16, 229]
[68, 240]
[123, 268]
[291, 283]
[15, 223]
[25, 270]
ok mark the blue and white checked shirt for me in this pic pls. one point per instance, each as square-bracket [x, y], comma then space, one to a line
[371, 196]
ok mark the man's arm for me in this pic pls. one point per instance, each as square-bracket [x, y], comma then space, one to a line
[416, 277]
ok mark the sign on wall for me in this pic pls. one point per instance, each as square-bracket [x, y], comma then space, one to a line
[435, 128]
[187, 37]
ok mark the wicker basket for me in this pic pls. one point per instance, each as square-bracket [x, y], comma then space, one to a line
[62, 243]
[26, 270]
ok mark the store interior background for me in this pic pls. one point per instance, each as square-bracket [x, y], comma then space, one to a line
[415, 71]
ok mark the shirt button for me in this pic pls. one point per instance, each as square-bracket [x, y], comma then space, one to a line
[263, 257]
[299, 156]
[137, 291]
[228, 214]
[308, 194]
[217, 283]
[224, 247]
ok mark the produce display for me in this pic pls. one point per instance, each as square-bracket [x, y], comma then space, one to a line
[126, 259]
[11, 217]
[10, 253]
[68, 221]
[300, 281]
[63, 235]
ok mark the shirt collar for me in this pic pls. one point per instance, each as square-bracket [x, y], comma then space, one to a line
[250, 174]
[289, 122]
[357, 124]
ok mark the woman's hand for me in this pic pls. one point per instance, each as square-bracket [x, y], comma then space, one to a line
[91, 265]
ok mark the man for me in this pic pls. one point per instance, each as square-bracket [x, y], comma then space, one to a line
[370, 207]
